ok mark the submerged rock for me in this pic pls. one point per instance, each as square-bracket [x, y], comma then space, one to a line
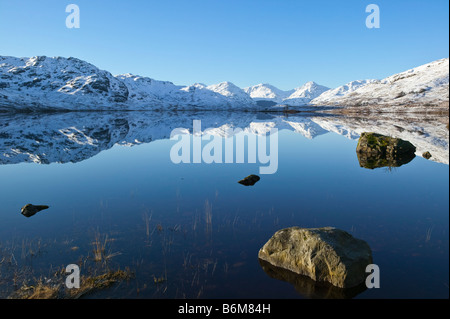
[309, 288]
[427, 155]
[323, 254]
[31, 210]
[250, 180]
[372, 162]
[376, 150]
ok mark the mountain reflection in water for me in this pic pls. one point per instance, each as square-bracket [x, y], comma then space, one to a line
[77, 136]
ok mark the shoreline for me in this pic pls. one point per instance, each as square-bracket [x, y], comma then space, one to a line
[341, 110]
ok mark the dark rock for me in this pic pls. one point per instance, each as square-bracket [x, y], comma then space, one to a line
[266, 103]
[31, 210]
[121, 94]
[376, 150]
[16, 71]
[249, 180]
[401, 94]
[101, 85]
[427, 155]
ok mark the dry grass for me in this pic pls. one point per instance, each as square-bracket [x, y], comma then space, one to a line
[147, 220]
[19, 281]
[55, 288]
[90, 284]
[101, 251]
[37, 291]
[208, 216]
[159, 280]
[428, 234]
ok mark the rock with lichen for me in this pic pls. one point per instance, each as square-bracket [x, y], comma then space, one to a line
[323, 254]
[376, 150]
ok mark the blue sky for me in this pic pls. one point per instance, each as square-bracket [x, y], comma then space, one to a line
[285, 43]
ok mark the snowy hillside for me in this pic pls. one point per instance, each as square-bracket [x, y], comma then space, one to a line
[44, 83]
[340, 92]
[267, 92]
[40, 83]
[426, 84]
[304, 94]
[56, 83]
[230, 90]
[297, 97]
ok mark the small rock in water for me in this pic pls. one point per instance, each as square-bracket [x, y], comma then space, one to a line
[249, 180]
[427, 155]
[31, 210]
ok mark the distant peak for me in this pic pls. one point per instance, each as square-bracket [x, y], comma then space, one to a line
[226, 83]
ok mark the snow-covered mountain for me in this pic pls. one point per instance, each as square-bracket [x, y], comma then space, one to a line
[297, 97]
[427, 85]
[230, 90]
[147, 90]
[267, 92]
[339, 92]
[44, 83]
[58, 83]
[304, 94]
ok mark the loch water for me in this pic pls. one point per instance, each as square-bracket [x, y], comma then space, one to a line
[190, 230]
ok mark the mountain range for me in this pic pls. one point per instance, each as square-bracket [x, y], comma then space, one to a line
[57, 83]
[297, 97]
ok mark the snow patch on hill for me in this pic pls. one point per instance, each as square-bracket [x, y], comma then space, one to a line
[426, 84]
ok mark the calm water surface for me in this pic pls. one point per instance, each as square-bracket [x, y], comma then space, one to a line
[192, 224]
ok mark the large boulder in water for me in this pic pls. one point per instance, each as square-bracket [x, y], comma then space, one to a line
[376, 150]
[323, 254]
